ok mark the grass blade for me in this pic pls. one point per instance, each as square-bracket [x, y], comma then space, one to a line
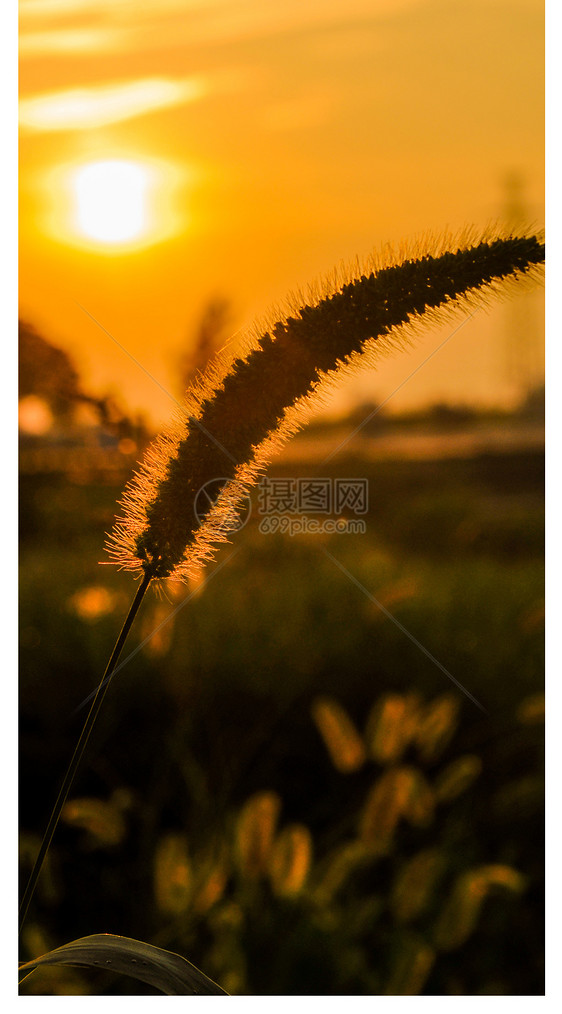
[166, 971]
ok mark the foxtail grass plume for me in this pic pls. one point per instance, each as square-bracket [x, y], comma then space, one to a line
[239, 414]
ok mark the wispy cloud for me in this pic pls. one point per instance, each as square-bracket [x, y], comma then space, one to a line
[47, 25]
[319, 8]
[71, 41]
[61, 8]
[82, 108]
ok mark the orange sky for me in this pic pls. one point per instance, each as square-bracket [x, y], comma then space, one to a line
[283, 137]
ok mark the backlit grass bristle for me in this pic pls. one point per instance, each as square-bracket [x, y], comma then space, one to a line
[238, 415]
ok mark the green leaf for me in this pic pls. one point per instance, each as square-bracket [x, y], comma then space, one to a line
[166, 971]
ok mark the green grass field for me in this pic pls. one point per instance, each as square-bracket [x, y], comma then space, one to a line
[162, 843]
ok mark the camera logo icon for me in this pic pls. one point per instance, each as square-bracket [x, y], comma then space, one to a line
[207, 497]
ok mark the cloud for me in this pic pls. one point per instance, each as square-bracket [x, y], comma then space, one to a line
[70, 41]
[83, 108]
[159, 23]
[61, 8]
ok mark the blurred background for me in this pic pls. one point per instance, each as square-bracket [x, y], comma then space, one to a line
[190, 150]
[284, 786]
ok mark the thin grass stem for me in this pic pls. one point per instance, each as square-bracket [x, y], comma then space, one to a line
[80, 747]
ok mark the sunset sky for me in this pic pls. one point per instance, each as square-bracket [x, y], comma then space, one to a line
[172, 151]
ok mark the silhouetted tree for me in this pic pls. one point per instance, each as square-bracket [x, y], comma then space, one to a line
[47, 371]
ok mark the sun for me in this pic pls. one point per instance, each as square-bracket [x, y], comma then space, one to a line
[116, 204]
[112, 201]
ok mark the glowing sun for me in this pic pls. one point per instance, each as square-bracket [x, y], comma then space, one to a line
[112, 201]
[117, 204]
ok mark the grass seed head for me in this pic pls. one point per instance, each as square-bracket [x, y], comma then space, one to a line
[239, 414]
